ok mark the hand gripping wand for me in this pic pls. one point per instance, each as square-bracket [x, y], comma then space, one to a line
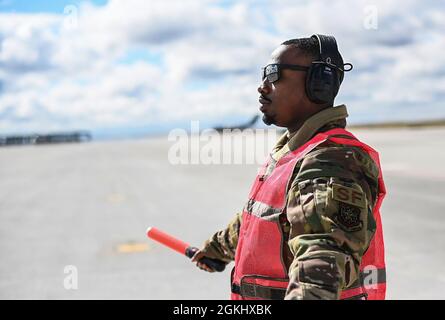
[183, 248]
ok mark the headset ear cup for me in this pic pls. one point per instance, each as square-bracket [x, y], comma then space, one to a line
[309, 91]
[316, 84]
[337, 80]
[322, 83]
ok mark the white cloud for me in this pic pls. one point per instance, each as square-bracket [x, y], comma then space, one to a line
[52, 76]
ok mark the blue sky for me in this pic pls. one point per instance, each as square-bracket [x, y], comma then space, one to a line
[113, 65]
[52, 6]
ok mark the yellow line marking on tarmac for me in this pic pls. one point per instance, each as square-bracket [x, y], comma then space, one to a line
[116, 198]
[132, 247]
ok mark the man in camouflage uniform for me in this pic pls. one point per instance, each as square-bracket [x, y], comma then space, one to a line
[324, 230]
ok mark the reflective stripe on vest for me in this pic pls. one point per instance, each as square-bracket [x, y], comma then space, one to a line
[260, 272]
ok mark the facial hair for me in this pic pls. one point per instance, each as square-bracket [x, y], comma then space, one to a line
[268, 120]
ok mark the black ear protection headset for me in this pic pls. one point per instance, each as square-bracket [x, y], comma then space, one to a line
[326, 73]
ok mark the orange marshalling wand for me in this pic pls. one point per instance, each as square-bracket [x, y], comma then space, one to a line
[167, 240]
[182, 247]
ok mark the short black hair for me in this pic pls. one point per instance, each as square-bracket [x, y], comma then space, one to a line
[307, 46]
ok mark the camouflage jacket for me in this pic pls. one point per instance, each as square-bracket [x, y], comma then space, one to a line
[321, 239]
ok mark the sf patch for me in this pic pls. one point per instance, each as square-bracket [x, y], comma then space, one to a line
[348, 217]
[348, 195]
[350, 202]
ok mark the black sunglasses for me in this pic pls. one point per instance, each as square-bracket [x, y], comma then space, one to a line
[273, 71]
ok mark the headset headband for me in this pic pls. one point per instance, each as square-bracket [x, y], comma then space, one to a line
[328, 50]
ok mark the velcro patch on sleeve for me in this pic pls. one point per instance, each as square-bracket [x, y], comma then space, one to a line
[348, 217]
[348, 195]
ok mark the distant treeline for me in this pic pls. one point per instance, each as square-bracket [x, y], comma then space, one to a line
[60, 137]
[400, 124]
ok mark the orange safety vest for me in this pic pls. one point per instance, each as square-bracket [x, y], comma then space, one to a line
[260, 272]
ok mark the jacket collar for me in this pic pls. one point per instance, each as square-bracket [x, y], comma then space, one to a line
[321, 121]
